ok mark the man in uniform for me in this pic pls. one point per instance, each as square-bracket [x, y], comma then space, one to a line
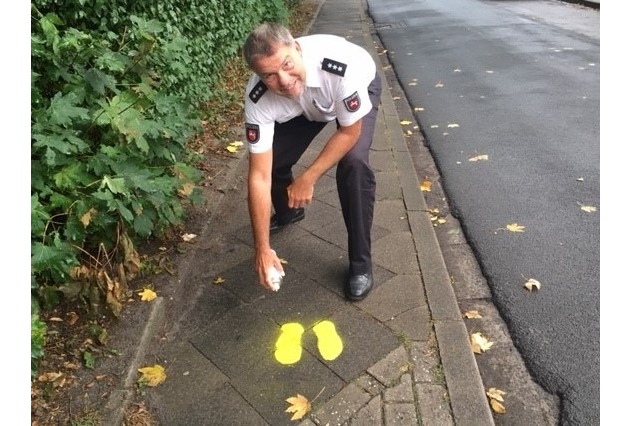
[298, 86]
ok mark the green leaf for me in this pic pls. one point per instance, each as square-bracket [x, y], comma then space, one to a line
[63, 111]
[98, 81]
[143, 225]
[124, 211]
[88, 360]
[70, 176]
[116, 185]
[39, 216]
[112, 61]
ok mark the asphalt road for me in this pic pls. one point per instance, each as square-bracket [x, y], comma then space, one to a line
[517, 81]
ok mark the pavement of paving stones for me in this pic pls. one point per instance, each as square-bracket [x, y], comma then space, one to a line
[405, 359]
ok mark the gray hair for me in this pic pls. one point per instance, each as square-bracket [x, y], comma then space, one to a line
[264, 40]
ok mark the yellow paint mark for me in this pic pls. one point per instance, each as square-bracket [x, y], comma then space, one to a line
[328, 341]
[289, 346]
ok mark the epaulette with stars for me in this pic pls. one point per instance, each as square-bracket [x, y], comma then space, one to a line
[257, 92]
[334, 67]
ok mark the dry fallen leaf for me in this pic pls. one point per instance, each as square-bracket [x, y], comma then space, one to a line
[494, 393]
[87, 217]
[532, 284]
[147, 295]
[152, 376]
[299, 406]
[515, 227]
[497, 407]
[482, 157]
[186, 189]
[479, 343]
[588, 209]
[72, 317]
[218, 280]
[425, 185]
[231, 148]
[472, 314]
[405, 122]
[188, 237]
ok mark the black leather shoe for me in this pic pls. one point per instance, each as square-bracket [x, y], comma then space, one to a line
[277, 223]
[359, 286]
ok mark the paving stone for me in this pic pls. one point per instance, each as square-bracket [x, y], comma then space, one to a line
[399, 294]
[391, 215]
[400, 414]
[396, 252]
[434, 405]
[402, 392]
[190, 377]
[424, 358]
[387, 186]
[369, 384]
[382, 161]
[365, 341]
[370, 415]
[225, 407]
[299, 299]
[342, 406]
[414, 324]
[389, 369]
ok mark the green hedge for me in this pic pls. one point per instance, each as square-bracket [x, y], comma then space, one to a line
[116, 87]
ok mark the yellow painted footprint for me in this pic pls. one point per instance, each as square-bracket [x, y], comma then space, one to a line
[328, 341]
[288, 346]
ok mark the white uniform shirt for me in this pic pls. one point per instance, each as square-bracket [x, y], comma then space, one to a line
[337, 77]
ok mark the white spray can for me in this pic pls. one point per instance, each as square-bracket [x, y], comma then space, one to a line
[274, 278]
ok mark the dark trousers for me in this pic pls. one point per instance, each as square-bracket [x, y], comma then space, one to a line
[356, 184]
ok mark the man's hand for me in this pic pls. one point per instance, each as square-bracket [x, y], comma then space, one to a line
[265, 259]
[300, 192]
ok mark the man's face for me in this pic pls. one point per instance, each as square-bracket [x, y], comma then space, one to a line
[283, 72]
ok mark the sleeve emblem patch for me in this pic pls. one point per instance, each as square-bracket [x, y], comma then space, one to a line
[334, 67]
[252, 132]
[257, 92]
[352, 102]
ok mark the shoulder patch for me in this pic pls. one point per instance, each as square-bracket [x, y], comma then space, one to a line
[334, 67]
[257, 92]
[252, 132]
[352, 102]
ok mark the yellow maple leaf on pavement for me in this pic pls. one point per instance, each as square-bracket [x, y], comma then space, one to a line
[497, 407]
[147, 295]
[479, 343]
[515, 227]
[495, 393]
[425, 185]
[299, 406]
[152, 376]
